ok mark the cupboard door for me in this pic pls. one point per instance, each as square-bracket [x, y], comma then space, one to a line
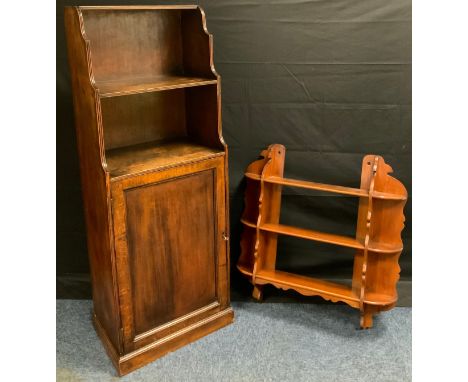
[170, 253]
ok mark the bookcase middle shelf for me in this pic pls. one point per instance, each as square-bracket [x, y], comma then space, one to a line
[137, 85]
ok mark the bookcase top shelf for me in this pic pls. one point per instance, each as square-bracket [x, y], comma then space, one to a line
[137, 49]
[135, 7]
[127, 86]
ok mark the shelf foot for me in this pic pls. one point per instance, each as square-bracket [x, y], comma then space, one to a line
[257, 292]
[367, 318]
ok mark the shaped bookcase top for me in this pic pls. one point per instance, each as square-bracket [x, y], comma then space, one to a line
[377, 242]
[149, 95]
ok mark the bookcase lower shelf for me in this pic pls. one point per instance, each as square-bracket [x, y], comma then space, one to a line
[377, 243]
[140, 158]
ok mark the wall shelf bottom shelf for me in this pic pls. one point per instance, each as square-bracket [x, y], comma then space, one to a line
[309, 286]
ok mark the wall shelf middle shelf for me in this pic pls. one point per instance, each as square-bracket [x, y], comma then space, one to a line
[137, 85]
[322, 237]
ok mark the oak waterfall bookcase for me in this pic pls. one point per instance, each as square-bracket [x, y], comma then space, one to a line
[154, 176]
[378, 242]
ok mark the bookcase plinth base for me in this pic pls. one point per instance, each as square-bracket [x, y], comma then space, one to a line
[129, 362]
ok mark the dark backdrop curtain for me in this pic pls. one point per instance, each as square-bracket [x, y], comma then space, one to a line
[329, 79]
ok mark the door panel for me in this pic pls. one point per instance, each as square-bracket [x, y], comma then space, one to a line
[170, 239]
[170, 256]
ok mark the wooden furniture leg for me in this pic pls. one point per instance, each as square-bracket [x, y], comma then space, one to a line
[257, 292]
[367, 317]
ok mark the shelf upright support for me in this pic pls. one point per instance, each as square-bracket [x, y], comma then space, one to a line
[269, 206]
[257, 292]
[366, 312]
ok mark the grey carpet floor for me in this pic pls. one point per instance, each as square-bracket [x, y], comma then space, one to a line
[267, 342]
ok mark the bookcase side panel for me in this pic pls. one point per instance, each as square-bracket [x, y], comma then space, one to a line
[203, 116]
[197, 44]
[94, 180]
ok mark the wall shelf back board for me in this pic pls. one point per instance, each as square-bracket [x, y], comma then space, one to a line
[377, 242]
[154, 176]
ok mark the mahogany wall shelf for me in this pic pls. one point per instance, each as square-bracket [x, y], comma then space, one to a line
[154, 173]
[377, 242]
